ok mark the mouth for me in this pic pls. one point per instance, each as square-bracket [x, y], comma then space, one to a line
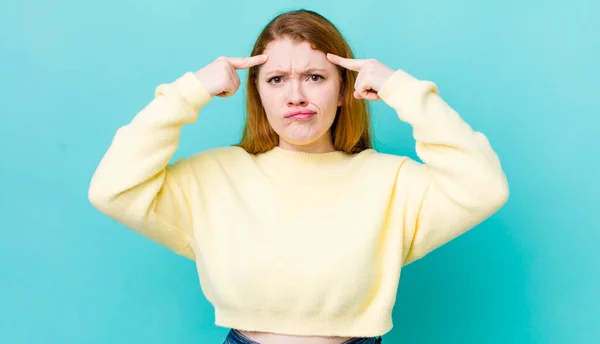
[300, 114]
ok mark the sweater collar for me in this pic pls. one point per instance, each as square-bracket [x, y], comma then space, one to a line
[285, 164]
[307, 159]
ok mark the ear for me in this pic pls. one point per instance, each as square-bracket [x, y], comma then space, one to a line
[340, 100]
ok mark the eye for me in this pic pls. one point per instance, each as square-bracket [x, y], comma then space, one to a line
[275, 79]
[316, 77]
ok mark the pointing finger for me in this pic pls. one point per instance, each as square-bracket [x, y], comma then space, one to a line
[352, 64]
[247, 62]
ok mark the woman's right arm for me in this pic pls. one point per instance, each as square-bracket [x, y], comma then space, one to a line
[134, 183]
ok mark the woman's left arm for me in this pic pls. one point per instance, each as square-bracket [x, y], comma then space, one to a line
[461, 182]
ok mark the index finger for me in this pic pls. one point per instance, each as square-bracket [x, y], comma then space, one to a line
[247, 62]
[352, 64]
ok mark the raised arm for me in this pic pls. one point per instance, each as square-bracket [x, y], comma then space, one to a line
[461, 182]
[134, 182]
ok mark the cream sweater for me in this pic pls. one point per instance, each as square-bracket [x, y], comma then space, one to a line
[300, 243]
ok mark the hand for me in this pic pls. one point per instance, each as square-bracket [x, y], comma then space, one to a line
[220, 78]
[372, 74]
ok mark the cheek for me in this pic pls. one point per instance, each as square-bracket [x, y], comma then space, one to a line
[324, 97]
[271, 102]
[268, 98]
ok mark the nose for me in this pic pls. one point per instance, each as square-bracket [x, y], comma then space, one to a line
[296, 94]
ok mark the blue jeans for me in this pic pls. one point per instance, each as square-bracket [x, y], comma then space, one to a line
[235, 337]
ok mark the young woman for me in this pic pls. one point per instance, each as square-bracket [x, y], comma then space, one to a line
[300, 231]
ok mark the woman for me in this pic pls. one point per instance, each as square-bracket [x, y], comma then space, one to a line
[299, 233]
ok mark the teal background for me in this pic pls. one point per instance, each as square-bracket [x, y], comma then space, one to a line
[523, 72]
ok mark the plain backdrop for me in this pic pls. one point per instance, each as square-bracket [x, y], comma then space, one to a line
[525, 73]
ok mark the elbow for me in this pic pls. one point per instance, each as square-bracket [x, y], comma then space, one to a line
[501, 188]
[496, 194]
[483, 194]
[98, 199]
[99, 196]
[108, 204]
[503, 191]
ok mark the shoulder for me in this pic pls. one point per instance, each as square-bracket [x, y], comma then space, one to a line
[400, 165]
[374, 157]
[220, 155]
[211, 164]
[212, 158]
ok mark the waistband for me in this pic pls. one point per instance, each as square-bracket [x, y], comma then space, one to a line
[236, 337]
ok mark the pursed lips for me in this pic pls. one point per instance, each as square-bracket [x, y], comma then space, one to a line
[299, 114]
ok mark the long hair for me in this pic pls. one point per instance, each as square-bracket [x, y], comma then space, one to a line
[351, 128]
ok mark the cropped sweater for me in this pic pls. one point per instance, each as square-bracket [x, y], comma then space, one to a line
[300, 243]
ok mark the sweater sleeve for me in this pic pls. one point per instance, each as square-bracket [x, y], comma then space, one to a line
[460, 182]
[134, 182]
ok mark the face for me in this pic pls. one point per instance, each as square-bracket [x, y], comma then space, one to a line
[300, 91]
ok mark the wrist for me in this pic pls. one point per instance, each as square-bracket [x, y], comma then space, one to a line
[193, 90]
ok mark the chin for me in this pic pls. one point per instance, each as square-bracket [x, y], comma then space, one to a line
[306, 138]
[299, 141]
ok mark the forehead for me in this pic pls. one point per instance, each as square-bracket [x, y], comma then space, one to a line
[287, 54]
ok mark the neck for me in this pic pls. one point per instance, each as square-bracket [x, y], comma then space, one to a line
[323, 145]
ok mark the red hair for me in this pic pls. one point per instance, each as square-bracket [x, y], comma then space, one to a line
[351, 129]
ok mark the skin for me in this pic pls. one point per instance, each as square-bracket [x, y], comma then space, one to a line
[293, 76]
[296, 77]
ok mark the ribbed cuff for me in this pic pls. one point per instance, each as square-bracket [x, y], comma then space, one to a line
[404, 93]
[192, 90]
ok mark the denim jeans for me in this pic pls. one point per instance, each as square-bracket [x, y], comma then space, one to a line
[235, 337]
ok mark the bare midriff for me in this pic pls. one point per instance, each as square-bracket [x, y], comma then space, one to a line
[274, 338]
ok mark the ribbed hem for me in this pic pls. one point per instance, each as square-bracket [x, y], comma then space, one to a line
[192, 90]
[366, 325]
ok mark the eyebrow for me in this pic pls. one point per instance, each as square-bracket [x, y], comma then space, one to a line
[304, 72]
